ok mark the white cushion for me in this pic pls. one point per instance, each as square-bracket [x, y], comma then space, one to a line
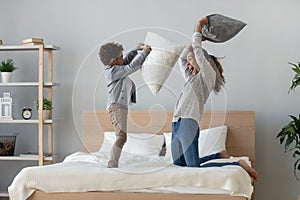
[160, 61]
[137, 143]
[212, 140]
[168, 139]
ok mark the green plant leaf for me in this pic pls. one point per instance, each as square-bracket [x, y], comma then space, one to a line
[296, 69]
[282, 139]
[293, 117]
[296, 153]
[296, 166]
[296, 79]
[296, 122]
[47, 104]
[287, 129]
[7, 66]
[288, 142]
[293, 64]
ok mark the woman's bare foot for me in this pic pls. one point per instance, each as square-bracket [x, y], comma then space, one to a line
[224, 154]
[252, 172]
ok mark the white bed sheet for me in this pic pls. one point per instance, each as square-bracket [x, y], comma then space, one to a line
[82, 172]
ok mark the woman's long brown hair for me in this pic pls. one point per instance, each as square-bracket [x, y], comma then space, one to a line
[220, 81]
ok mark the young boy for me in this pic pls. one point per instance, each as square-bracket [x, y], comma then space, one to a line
[121, 89]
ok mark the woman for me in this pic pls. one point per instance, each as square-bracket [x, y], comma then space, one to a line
[203, 74]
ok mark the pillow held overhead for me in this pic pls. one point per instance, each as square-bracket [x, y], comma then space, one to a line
[160, 61]
[221, 28]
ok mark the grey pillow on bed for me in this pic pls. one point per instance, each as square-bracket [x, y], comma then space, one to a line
[221, 28]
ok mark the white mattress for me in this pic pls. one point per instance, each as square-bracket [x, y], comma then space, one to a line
[82, 172]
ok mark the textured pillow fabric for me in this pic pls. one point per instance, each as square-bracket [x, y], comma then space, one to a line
[221, 28]
[160, 61]
[137, 143]
[211, 140]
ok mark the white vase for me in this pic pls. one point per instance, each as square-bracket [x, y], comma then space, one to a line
[46, 114]
[6, 77]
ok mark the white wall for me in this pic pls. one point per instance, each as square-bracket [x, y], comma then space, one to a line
[256, 66]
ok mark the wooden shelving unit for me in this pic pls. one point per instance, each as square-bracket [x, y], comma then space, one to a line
[28, 158]
[43, 83]
[28, 84]
[22, 121]
[3, 194]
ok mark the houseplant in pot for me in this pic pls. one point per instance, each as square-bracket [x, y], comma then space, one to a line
[47, 107]
[296, 79]
[290, 133]
[6, 68]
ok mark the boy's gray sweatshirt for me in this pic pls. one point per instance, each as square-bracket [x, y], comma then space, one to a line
[121, 89]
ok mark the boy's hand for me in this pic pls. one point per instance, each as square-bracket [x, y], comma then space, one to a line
[140, 46]
[147, 48]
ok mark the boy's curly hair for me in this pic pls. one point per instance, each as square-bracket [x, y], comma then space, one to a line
[109, 51]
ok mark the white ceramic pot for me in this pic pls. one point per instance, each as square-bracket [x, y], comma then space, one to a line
[6, 77]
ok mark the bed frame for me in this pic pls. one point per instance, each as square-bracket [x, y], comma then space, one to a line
[240, 142]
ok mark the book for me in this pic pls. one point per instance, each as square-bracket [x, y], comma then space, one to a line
[29, 40]
[1, 42]
[33, 43]
[33, 154]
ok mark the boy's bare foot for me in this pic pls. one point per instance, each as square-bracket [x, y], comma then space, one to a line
[112, 164]
[252, 172]
[224, 154]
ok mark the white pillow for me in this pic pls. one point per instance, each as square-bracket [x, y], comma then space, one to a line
[108, 141]
[168, 139]
[160, 61]
[137, 143]
[211, 140]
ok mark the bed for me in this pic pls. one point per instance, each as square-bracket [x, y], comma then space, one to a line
[240, 142]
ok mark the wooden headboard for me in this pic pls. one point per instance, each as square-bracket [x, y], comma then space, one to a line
[240, 137]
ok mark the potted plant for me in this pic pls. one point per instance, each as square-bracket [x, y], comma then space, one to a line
[6, 68]
[290, 133]
[296, 79]
[47, 107]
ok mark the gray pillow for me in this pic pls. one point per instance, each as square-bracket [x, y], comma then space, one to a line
[221, 28]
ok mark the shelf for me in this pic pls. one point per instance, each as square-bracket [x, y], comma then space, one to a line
[33, 158]
[28, 84]
[45, 73]
[4, 194]
[23, 121]
[27, 47]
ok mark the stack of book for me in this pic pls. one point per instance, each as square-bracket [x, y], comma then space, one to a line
[33, 41]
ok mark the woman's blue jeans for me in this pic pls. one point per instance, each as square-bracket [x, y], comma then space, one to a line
[184, 145]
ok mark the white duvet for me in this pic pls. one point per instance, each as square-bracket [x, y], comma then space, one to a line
[81, 172]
